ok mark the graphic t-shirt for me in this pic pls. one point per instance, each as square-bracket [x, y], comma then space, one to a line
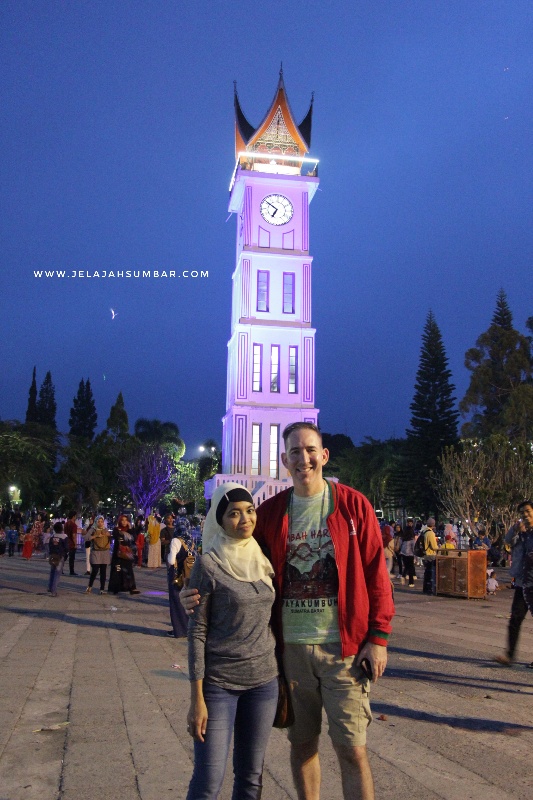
[311, 580]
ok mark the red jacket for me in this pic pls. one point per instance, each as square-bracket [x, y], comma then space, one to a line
[365, 604]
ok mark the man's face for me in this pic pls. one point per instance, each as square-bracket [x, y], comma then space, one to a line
[169, 521]
[304, 459]
[527, 515]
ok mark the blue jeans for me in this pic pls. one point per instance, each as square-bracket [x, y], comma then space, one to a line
[55, 574]
[248, 714]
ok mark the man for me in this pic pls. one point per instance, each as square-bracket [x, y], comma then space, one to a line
[517, 537]
[71, 531]
[430, 552]
[165, 536]
[333, 610]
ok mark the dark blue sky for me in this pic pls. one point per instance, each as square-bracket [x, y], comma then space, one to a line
[117, 146]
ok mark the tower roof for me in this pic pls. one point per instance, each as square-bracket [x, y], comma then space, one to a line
[278, 133]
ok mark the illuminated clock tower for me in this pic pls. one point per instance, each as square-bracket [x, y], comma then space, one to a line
[271, 351]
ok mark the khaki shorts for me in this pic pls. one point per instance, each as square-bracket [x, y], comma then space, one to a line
[319, 678]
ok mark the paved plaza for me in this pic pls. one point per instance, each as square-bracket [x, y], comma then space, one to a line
[94, 698]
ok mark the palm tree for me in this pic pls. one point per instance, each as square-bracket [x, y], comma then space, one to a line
[153, 431]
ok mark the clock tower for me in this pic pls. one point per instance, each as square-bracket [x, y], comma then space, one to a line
[271, 351]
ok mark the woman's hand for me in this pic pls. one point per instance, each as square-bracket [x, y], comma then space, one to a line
[197, 719]
[189, 599]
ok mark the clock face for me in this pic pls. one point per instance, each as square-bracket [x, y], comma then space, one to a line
[276, 209]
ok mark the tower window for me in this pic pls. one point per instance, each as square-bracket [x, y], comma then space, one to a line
[274, 451]
[257, 367]
[274, 368]
[263, 281]
[256, 449]
[288, 292]
[293, 370]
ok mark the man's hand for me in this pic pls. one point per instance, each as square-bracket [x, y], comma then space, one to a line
[377, 657]
[189, 598]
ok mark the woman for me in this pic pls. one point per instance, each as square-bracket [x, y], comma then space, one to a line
[121, 578]
[27, 548]
[138, 533]
[100, 554]
[180, 547]
[154, 546]
[388, 546]
[407, 552]
[58, 547]
[396, 546]
[232, 666]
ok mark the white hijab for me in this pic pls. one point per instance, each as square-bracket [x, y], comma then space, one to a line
[243, 559]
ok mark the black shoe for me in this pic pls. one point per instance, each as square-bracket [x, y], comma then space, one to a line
[530, 666]
[171, 634]
[135, 591]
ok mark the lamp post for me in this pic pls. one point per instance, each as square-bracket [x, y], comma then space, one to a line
[14, 495]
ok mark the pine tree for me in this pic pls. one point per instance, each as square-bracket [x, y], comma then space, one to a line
[83, 417]
[118, 423]
[46, 404]
[31, 411]
[90, 410]
[433, 418]
[500, 395]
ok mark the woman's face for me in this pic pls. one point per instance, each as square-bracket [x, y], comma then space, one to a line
[239, 520]
[123, 523]
[100, 523]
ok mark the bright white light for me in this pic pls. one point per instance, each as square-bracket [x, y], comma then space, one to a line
[201, 448]
[12, 488]
[253, 154]
[256, 154]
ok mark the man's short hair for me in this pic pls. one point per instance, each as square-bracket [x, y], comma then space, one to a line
[525, 503]
[58, 527]
[298, 426]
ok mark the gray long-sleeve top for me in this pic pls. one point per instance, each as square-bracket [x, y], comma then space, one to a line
[230, 640]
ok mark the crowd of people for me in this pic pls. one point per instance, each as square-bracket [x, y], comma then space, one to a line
[288, 610]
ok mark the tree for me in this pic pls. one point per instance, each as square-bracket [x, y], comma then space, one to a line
[210, 460]
[27, 461]
[433, 418]
[46, 404]
[500, 395]
[83, 415]
[147, 473]
[79, 480]
[485, 480]
[187, 486]
[375, 469]
[164, 433]
[118, 425]
[31, 411]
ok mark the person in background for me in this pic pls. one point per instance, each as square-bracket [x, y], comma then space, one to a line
[140, 539]
[3, 541]
[180, 547]
[397, 544]
[87, 539]
[100, 552]
[12, 539]
[122, 578]
[27, 549]
[154, 547]
[59, 550]
[388, 546]
[430, 554]
[166, 535]
[71, 530]
[516, 537]
[407, 551]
